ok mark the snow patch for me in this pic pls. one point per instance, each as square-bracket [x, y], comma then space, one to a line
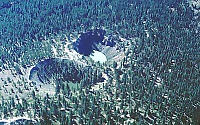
[98, 56]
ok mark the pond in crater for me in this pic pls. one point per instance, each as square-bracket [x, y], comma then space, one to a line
[92, 40]
[98, 56]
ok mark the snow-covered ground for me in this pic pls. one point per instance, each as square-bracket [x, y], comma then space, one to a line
[195, 3]
[15, 120]
[99, 85]
[98, 56]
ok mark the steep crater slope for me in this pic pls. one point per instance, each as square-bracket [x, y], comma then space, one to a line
[59, 70]
[97, 40]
